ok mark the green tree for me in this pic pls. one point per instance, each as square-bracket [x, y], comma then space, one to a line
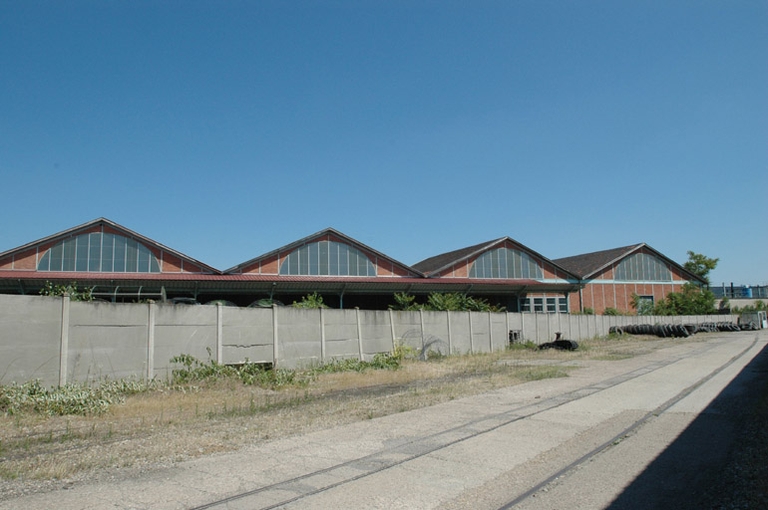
[691, 300]
[700, 265]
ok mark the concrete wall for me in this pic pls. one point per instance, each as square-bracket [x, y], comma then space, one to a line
[59, 341]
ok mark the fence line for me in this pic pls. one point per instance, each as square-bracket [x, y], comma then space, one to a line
[59, 341]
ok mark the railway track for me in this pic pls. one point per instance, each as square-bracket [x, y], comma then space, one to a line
[298, 491]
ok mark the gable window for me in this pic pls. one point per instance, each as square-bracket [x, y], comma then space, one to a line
[643, 267]
[505, 263]
[327, 258]
[99, 253]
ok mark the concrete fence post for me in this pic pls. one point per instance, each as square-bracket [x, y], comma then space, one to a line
[392, 327]
[490, 330]
[64, 346]
[274, 336]
[150, 341]
[359, 334]
[471, 336]
[450, 335]
[322, 336]
[219, 333]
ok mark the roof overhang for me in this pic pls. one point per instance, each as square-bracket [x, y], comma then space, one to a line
[32, 281]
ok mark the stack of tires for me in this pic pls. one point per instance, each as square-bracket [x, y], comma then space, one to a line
[673, 330]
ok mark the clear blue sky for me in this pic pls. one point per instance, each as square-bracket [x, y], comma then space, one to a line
[226, 129]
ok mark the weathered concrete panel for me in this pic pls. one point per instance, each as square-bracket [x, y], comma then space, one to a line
[108, 314]
[247, 335]
[30, 339]
[341, 336]
[480, 332]
[183, 329]
[460, 333]
[298, 337]
[407, 328]
[499, 332]
[436, 333]
[376, 332]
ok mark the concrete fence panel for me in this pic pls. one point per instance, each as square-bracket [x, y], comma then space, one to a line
[182, 329]
[341, 335]
[407, 328]
[376, 331]
[107, 341]
[461, 332]
[298, 336]
[30, 339]
[246, 335]
[499, 331]
[437, 332]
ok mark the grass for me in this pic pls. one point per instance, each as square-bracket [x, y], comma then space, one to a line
[208, 408]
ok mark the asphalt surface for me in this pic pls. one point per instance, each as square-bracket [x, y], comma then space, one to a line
[647, 432]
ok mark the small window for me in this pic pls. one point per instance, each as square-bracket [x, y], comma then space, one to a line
[551, 305]
[563, 304]
[538, 304]
[525, 304]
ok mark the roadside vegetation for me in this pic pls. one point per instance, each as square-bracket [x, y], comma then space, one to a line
[89, 431]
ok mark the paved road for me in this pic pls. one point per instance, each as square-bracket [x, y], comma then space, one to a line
[646, 432]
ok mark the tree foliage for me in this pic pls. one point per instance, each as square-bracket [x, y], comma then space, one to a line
[691, 300]
[700, 265]
[74, 293]
[313, 300]
[444, 301]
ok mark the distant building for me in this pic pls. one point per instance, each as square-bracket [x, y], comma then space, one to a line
[609, 278]
[121, 265]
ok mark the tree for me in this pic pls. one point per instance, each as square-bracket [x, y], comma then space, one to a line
[700, 265]
[691, 300]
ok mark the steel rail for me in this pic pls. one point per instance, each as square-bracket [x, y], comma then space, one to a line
[390, 457]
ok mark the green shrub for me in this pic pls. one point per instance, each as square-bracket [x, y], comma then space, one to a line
[74, 293]
[310, 301]
[71, 399]
[444, 301]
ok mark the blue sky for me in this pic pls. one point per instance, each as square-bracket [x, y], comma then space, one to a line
[226, 129]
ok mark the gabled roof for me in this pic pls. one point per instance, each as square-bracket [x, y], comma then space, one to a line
[445, 260]
[439, 263]
[588, 265]
[74, 231]
[317, 235]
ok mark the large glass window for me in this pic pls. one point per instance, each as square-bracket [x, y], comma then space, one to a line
[643, 267]
[327, 258]
[505, 263]
[99, 253]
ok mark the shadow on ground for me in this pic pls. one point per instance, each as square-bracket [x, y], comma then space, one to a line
[720, 460]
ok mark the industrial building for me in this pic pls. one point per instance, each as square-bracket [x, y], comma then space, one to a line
[121, 265]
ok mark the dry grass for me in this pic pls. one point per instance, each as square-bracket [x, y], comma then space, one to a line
[161, 427]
